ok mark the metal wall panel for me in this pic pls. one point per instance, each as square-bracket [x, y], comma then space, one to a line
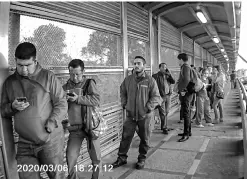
[98, 15]
[204, 54]
[187, 44]
[137, 22]
[198, 62]
[170, 35]
[197, 50]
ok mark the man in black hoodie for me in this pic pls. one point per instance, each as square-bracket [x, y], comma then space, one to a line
[164, 80]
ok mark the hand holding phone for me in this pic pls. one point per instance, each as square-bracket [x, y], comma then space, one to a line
[20, 103]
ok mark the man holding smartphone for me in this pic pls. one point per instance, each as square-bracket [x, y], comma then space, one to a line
[78, 103]
[164, 80]
[34, 96]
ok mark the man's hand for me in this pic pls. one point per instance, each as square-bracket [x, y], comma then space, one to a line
[50, 126]
[72, 98]
[20, 106]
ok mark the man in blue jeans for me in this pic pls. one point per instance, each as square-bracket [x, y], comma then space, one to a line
[78, 103]
[184, 96]
[34, 96]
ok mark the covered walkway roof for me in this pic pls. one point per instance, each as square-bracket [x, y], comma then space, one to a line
[222, 22]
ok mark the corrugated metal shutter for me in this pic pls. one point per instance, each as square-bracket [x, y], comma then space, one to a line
[170, 35]
[187, 44]
[197, 50]
[137, 22]
[97, 15]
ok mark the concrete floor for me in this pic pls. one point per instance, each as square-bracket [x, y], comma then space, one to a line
[211, 153]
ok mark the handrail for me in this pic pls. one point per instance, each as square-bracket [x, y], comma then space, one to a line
[242, 97]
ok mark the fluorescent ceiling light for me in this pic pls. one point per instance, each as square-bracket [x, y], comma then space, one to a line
[225, 56]
[227, 59]
[201, 16]
[216, 40]
[222, 50]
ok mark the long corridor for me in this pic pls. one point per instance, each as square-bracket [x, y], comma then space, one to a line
[211, 152]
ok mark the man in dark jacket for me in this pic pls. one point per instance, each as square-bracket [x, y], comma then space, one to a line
[34, 96]
[78, 103]
[184, 96]
[233, 80]
[164, 80]
[139, 96]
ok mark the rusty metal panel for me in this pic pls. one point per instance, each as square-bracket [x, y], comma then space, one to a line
[197, 50]
[137, 21]
[187, 44]
[99, 15]
[170, 35]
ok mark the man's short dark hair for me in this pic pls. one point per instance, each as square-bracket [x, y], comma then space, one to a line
[183, 56]
[192, 66]
[162, 64]
[76, 63]
[25, 51]
[143, 59]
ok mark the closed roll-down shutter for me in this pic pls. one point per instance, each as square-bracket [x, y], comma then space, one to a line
[99, 15]
[170, 35]
[187, 44]
[137, 22]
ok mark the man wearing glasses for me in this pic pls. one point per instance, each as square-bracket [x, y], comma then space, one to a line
[139, 96]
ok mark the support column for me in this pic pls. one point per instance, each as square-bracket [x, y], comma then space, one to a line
[202, 56]
[6, 129]
[182, 42]
[125, 38]
[194, 53]
[159, 39]
[151, 41]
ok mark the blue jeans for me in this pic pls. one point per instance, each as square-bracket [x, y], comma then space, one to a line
[76, 137]
[50, 154]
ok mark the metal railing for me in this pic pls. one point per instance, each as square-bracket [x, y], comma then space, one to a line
[243, 102]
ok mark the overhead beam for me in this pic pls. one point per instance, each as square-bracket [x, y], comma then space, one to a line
[171, 7]
[154, 5]
[197, 24]
[204, 35]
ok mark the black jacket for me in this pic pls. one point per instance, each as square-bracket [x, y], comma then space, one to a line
[159, 77]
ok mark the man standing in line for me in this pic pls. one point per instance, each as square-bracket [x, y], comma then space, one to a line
[35, 97]
[184, 96]
[139, 96]
[164, 80]
[233, 80]
[78, 103]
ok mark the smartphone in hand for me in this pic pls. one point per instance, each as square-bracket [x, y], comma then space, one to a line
[22, 99]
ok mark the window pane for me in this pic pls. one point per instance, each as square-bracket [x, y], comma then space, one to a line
[137, 48]
[58, 43]
[169, 56]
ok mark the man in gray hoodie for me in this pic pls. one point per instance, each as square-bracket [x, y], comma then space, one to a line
[36, 100]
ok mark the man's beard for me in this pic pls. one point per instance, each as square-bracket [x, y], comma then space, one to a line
[138, 72]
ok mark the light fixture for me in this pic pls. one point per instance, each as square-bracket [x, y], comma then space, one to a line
[216, 40]
[222, 50]
[201, 16]
[225, 56]
[227, 59]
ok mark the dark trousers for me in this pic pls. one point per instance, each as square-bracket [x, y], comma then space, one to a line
[76, 137]
[50, 155]
[164, 110]
[185, 111]
[129, 128]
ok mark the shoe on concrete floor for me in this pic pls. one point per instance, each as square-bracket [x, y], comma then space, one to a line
[221, 120]
[119, 163]
[199, 126]
[184, 138]
[182, 134]
[140, 165]
[216, 121]
[165, 131]
[210, 124]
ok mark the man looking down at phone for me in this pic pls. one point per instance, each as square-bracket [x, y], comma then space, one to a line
[34, 96]
[78, 102]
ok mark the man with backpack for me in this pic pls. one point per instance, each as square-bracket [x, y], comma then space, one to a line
[82, 93]
[186, 86]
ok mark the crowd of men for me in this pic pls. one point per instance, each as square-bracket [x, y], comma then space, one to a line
[38, 102]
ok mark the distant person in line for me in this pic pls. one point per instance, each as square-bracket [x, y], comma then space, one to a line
[164, 80]
[184, 96]
[35, 97]
[233, 79]
[139, 96]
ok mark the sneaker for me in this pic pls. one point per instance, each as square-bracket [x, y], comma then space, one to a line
[140, 165]
[210, 124]
[119, 163]
[199, 126]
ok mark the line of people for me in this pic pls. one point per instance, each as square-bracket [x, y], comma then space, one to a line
[39, 103]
